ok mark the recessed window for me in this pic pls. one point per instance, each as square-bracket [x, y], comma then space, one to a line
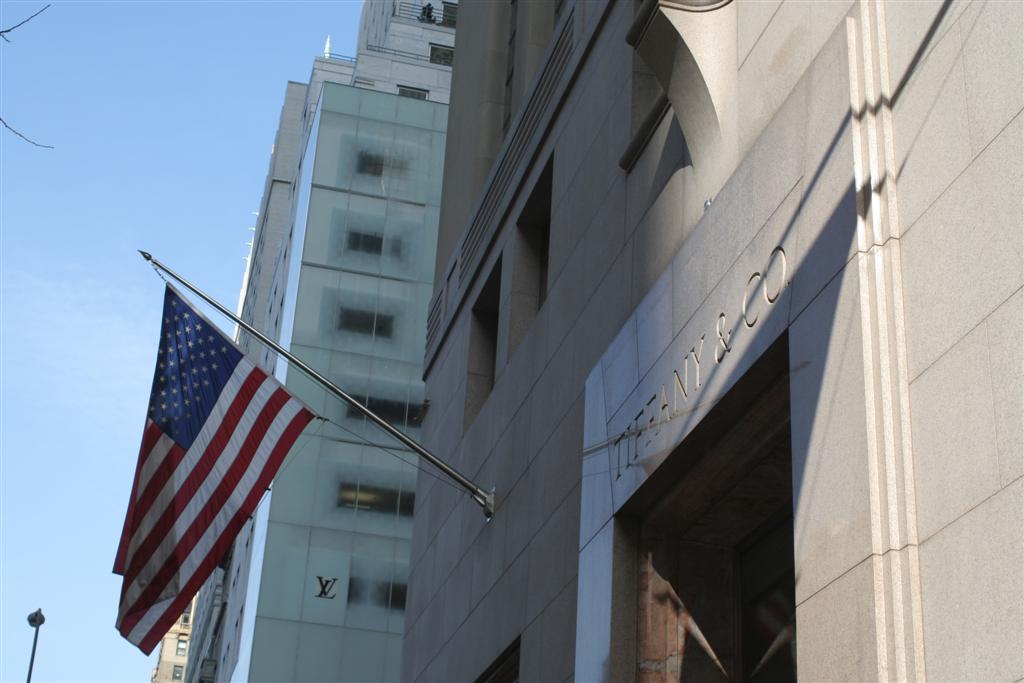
[505, 668]
[182, 647]
[483, 345]
[186, 616]
[392, 411]
[366, 322]
[368, 163]
[371, 163]
[441, 54]
[449, 13]
[365, 242]
[414, 93]
[177, 672]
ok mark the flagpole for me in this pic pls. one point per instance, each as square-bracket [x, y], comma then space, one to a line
[484, 498]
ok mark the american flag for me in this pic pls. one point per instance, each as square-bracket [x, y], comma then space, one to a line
[217, 430]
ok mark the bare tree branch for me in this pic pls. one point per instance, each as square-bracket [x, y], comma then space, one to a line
[4, 32]
[29, 140]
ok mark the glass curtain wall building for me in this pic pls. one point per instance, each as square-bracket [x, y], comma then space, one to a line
[359, 268]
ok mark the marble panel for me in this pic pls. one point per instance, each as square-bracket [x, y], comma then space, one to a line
[284, 571]
[993, 42]
[547, 559]
[956, 465]
[831, 486]
[836, 629]
[1005, 337]
[594, 609]
[826, 221]
[772, 68]
[752, 17]
[982, 210]
[654, 322]
[972, 591]
[271, 637]
[317, 657]
[558, 628]
[921, 25]
[929, 122]
[620, 366]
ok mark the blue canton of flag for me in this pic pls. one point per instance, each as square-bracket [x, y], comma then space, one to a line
[194, 362]
[217, 430]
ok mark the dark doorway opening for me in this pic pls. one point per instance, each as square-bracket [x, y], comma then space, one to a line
[716, 597]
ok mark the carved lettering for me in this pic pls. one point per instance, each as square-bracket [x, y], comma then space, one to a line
[722, 347]
[746, 298]
[680, 386]
[326, 586]
[695, 352]
[778, 254]
[650, 420]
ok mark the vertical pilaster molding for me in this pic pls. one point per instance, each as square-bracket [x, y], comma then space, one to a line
[897, 599]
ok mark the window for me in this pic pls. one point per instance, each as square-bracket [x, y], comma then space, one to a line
[414, 93]
[392, 411]
[368, 163]
[176, 672]
[182, 647]
[366, 242]
[366, 322]
[449, 13]
[483, 345]
[186, 616]
[441, 54]
[375, 498]
[505, 668]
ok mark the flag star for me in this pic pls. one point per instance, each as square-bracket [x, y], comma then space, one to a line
[163, 406]
[198, 327]
[167, 320]
[175, 318]
[174, 390]
[195, 371]
[187, 316]
[161, 365]
[199, 397]
[213, 365]
[175, 404]
[188, 402]
[162, 378]
[174, 302]
[200, 340]
[170, 363]
[223, 349]
[202, 354]
[163, 392]
[190, 343]
[188, 328]
[210, 338]
[178, 332]
[206, 382]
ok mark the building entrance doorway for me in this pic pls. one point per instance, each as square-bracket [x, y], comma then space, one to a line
[715, 571]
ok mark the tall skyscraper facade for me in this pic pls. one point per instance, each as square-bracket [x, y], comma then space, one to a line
[727, 309]
[340, 271]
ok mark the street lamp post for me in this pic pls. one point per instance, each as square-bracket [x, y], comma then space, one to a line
[35, 620]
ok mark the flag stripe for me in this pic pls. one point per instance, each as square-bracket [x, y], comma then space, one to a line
[159, 465]
[172, 611]
[202, 545]
[176, 494]
[149, 438]
[226, 403]
[174, 547]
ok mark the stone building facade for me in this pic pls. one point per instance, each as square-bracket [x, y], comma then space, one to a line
[728, 310]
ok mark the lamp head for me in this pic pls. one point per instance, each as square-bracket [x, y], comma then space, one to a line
[36, 619]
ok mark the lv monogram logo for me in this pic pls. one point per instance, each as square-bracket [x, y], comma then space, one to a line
[326, 588]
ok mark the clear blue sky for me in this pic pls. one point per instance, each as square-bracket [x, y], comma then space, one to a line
[162, 117]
